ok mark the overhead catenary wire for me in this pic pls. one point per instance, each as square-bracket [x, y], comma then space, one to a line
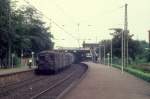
[62, 10]
[51, 20]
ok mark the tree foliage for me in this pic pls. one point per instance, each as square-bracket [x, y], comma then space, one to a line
[136, 48]
[24, 28]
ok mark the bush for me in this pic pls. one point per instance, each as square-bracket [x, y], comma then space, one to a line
[136, 72]
[16, 61]
[116, 60]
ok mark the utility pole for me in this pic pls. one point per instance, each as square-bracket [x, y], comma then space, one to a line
[149, 38]
[9, 39]
[99, 54]
[108, 57]
[122, 51]
[124, 48]
[111, 51]
[104, 56]
[103, 52]
[22, 57]
[126, 36]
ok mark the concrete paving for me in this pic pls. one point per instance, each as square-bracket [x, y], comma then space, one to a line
[103, 82]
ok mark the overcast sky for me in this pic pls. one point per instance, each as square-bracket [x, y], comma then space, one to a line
[95, 18]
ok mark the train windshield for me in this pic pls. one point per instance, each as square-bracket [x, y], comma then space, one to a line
[47, 57]
[41, 57]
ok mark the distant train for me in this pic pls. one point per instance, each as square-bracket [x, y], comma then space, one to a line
[50, 62]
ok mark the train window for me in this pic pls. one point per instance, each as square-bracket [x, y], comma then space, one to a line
[49, 57]
[52, 57]
[41, 57]
[46, 57]
[37, 58]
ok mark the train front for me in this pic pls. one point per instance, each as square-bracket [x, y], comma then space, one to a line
[45, 62]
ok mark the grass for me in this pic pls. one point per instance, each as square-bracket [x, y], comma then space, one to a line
[136, 72]
[141, 67]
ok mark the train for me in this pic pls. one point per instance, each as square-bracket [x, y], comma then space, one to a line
[52, 62]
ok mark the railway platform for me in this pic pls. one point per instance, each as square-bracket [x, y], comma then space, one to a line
[15, 70]
[103, 82]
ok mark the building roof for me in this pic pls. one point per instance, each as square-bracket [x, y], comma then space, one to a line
[90, 45]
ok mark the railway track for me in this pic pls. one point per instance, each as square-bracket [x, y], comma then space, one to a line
[53, 91]
[15, 77]
[17, 82]
[43, 86]
[52, 87]
[5, 90]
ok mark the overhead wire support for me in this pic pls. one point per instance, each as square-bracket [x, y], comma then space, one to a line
[125, 40]
[122, 51]
[126, 36]
[127, 33]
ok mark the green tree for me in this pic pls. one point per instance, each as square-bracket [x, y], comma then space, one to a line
[135, 47]
[21, 30]
[30, 31]
[4, 31]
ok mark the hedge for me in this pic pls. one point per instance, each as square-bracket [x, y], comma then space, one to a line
[136, 72]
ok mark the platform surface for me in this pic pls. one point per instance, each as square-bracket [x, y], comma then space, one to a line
[14, 70]
[103, 82]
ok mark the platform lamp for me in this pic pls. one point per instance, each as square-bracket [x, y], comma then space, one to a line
[111, 49]
[22, 58]
[12, 63]
[32, 58]
[149, 38]
[103, 52]
[108, 56]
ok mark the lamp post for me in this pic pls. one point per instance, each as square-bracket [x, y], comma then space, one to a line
[149, 38]
[108, 55]
[21, 57]
[111, 48]
[12, 63]
[122, 50]
[32, 58]
[100, 52]
[104, 55]
[122, 46]
[111, 52]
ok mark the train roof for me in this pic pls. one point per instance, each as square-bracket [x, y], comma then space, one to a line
[47, 52]
[53, 52]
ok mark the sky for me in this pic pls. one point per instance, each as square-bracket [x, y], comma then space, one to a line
[90, 20]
